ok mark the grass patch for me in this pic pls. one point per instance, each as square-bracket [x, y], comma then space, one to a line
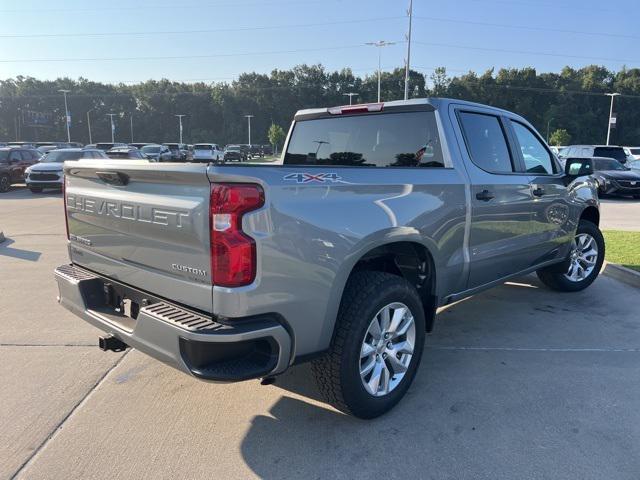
[623, 248]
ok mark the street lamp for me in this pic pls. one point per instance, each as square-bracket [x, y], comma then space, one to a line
[249, 117]
[89, 123]
[67, 119]
[350, 95]
[180, 119]
[379, 44]
[113, 126]
[610, 114]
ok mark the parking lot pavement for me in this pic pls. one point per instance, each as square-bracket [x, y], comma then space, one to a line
[517, 382]
[620, 214]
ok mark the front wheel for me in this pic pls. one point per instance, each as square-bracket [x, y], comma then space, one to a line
[376, 347]
[584, 262]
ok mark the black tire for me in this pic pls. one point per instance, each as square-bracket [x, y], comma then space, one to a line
[554, 276]
[337, 372]
[35, 189]
[637, 197]
[5, 183]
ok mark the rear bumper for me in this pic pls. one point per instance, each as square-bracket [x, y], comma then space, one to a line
[189, 341]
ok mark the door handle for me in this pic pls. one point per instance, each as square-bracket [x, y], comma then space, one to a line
[484, 195]
[538, 191]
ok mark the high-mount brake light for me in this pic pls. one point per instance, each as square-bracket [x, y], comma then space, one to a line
[361, 108]
[233, 253]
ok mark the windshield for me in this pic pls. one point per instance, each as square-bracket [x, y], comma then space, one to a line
[233, 148]
[634, 151]
[151, 149]
[606, 164]
[59, 156]
[611, 152]
[202, 147]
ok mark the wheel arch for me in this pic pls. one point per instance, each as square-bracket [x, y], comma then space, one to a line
[591, 214]
[407, 257]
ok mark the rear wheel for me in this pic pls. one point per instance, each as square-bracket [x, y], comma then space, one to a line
[376, 348]
[5, 183]
[584, 262]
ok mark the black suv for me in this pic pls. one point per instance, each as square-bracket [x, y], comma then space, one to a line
[13, 163]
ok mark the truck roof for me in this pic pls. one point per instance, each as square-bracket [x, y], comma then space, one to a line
[435, 102]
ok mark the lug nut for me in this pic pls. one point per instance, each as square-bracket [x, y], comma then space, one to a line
[389, 346]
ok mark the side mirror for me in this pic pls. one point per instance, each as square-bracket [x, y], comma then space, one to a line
[578, 167]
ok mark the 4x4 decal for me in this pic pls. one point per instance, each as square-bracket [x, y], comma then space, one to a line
[323, 177]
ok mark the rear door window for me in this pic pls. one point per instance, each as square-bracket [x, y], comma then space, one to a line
[486, 142]
[403, 139]
[537, 159]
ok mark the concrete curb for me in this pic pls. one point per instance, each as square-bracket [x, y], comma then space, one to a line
[622, 274]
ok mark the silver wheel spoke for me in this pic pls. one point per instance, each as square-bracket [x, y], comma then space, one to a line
[396, 365]
[376, 376]
[364, 371]
[374, 329]
[385, 319]
[403, 347]
[367, 350]
[583, 257]
[398, 316]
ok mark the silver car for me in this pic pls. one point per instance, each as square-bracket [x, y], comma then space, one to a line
[48, 172]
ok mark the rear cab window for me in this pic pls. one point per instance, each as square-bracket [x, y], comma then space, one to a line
[394, 139]
[486, 142]
[611, 152]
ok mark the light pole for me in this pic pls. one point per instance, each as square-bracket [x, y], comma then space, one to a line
[610, 114]
[89, 124]
[180, 119]
[350, 95]
[408, 62]
[549, 125]
[379, 44]
[67, 119]
[249, 117]
[113, 126]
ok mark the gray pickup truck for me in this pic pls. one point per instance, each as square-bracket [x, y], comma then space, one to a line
[339, 253]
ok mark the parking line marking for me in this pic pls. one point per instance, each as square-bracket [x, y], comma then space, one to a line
[533, 349]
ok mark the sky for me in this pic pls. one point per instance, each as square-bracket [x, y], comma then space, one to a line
[215, 40]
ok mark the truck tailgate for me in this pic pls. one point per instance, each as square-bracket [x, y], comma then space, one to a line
[143, 224]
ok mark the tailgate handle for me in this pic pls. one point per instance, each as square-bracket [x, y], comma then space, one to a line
[113, 178]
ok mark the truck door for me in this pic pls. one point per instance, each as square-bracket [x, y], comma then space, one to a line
[551, 228]
[501, 196]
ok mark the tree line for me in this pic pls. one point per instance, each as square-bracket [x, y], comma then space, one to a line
[571, 100]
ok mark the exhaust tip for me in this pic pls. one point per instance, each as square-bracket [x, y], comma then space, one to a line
[111, 343]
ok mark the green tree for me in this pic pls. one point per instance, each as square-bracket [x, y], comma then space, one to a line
[560, 137]
[276, 136]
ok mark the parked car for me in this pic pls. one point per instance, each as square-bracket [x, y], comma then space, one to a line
[46, 148]
[633, 165]
[590, 151]
[375, 216]
[632, 152]
[179, 152]
[234, 153]
[613, 178]
[157, 153]
[47, 173]
[267, 150]
[126, 152]
[104, 146]
[207, 152]
[13, 163]
[139, 145]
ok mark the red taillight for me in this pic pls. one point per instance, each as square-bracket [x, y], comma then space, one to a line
[64, 204]
[233, 253]
[360, 108]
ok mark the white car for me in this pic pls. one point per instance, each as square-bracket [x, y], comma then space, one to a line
[207, 152]
[47, 173]
[633, 152]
